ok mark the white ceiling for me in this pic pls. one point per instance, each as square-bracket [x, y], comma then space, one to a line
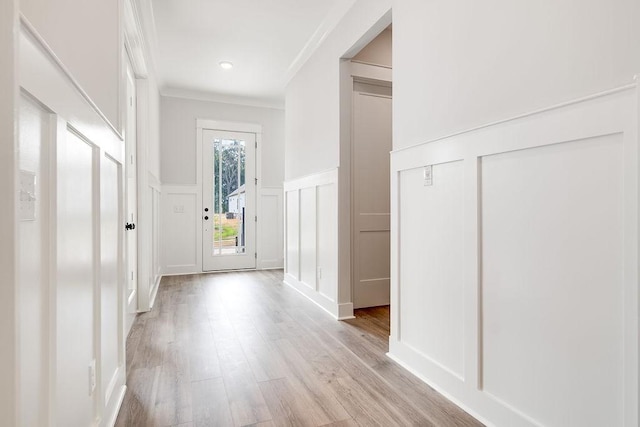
[267, 41]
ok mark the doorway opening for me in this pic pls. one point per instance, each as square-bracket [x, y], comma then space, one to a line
[366, 93]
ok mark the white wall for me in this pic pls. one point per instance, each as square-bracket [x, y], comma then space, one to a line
[461, 64]
[514, 286]
[180, 251]
[318, 123]
[86, 37]
[178, 137]
[8, 230]
[70, 256]
[313, 95]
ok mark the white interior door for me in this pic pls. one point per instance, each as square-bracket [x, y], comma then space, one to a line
[371, 145]
[132, 196]
[228, 200]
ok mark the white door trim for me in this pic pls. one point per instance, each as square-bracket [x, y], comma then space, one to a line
[210, 124]
[131, 212]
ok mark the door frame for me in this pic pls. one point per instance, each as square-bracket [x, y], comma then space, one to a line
[345, 87]
[131, 165]
[225, 126]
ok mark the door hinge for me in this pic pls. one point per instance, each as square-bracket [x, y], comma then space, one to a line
[256, 180]
[256, 144]
[256, 255]
[256, 218]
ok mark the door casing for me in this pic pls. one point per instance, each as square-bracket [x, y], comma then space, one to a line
[131, 189]
[229, 261]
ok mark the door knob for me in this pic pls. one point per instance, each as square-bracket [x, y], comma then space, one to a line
[206, 218]
[206, 209]
[130, 226]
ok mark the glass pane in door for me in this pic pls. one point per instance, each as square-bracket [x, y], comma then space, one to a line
[228, 197]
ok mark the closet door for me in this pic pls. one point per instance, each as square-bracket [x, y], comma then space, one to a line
[371, 145]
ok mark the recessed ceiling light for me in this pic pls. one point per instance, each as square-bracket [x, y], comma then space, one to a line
[226, 65]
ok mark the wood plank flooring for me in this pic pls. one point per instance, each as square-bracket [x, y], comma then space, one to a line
[242, 349]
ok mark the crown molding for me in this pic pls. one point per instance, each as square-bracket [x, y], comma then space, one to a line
[329, 23]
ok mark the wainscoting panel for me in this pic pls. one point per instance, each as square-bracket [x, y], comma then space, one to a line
[311, 239]
[432, 220]
[308, 235]
[514, 268]
[552, 280]
[179, 229]
[292, 220]
[76, 278]
[35, 282]
[327, 224]
[270, 228]
[111, 219]
[155, 266]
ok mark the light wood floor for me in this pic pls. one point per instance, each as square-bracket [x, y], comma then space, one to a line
[237, 349]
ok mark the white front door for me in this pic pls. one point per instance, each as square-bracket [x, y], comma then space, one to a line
[228, 200]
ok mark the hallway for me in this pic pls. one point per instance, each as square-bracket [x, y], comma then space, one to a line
[241, 349]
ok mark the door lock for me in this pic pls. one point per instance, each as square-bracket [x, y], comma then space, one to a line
[130, 226]
[206, 218]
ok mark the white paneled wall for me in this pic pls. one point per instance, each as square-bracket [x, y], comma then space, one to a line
[514, 274]
[71, 264]
[311, 229]
[181, 250]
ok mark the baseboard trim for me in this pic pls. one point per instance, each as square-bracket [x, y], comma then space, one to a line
[439, 389]
[154, 291]
[345, 311]
[114, 416]
[270, 264]
[315, 297]
[178, 270]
